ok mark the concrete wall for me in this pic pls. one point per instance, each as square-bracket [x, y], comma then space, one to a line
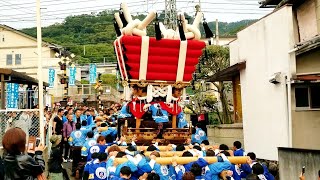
[291, 162]
[307, 20]
[225, 134]
[265, 47]
[308, 63]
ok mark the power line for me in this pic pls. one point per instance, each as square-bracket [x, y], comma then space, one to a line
[31, 19]
[223, 3]
[78, 10]
[44, 5]
[57, 12]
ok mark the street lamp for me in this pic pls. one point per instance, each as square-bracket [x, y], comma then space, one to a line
[65, 59]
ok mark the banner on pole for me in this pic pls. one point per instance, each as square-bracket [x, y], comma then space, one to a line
[93, 73]
[72, 76]
[51, 77]
[12, 96]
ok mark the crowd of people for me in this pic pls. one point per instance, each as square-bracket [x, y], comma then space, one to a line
[89, 140]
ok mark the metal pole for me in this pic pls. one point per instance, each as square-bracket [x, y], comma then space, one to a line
[40, 79]
[217, 32]
[65, 92]
[3, 96]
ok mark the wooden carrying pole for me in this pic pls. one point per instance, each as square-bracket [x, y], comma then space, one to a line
[161, 148]
[186, 160]
[165, 154]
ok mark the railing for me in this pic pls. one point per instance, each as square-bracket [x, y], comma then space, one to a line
[26, 99]
[88, 89]
[26, 119]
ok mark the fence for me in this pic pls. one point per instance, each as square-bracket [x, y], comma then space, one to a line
[88, 89]
[26, 119]
[27, 99]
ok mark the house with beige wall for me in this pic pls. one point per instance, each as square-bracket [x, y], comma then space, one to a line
[275, 66]
[18, 51]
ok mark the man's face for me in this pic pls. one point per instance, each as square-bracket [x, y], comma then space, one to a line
[61, 113]
[70, 118]
[78, 113]
[177, 93]
[234, 148]
[102, 142]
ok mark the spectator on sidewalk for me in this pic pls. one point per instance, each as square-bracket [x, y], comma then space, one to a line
[58, 127]
[54, 164]
[17, 164]
[68, 127]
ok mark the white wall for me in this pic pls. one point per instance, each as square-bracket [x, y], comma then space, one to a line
[264, 46]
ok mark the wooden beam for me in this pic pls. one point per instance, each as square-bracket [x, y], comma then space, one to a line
[186, 160]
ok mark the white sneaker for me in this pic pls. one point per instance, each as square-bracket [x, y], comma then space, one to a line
[65, 160]
[70, 160]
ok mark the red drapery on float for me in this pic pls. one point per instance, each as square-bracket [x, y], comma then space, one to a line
[162, 61]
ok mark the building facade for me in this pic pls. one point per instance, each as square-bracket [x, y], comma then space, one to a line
[277, 62]
[18, 51]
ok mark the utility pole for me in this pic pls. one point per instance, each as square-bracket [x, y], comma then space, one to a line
[40, 75]
[147, 6]
[170, 14]
[217, 32]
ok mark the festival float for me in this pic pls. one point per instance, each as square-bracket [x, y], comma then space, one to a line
[155, 72]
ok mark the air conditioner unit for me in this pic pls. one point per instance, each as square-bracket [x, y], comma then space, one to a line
[275, 78]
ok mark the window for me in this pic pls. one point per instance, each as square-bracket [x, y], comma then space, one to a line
[18, 59]
[9, 59]
[308, 97]
[315, 96]
[302, 97]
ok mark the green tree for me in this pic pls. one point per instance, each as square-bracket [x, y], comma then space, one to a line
[214, 60]
[83, 81]
[109, 79]
[201, 100]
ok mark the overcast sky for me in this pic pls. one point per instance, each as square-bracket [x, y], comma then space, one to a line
[21, 13]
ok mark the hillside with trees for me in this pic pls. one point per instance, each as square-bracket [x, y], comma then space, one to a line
[90, 36]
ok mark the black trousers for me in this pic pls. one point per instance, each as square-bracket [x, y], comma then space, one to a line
[67, 152]
[76, 153]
